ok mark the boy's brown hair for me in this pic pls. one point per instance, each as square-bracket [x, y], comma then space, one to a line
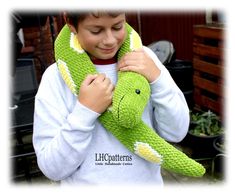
[73, 18]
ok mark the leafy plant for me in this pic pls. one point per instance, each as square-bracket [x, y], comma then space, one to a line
[205, 124]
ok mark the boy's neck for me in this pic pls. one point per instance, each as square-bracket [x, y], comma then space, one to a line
[104, 62]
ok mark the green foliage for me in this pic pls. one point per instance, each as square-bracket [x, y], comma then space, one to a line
[205, 124]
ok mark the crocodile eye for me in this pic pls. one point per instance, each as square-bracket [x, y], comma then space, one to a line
[137, 91]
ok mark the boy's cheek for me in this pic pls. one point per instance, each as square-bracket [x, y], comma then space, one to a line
[122, 36]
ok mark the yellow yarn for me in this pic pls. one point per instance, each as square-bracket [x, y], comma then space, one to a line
[145, 151]
[75, 44]
[135, 41]
[66, 75]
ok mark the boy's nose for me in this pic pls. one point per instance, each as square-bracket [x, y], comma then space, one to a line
[109, 39]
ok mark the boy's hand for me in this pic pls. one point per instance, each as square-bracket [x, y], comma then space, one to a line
[138, 61]
[96, 92]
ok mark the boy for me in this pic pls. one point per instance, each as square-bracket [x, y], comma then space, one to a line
[70, 143]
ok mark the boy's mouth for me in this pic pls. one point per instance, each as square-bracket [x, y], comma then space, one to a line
[107, 50]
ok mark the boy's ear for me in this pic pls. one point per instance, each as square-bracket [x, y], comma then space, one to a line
[71, 27]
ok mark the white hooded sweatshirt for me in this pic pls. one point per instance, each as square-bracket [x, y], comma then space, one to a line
[73, 147]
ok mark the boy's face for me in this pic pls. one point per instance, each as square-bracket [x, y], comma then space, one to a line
[103, 36]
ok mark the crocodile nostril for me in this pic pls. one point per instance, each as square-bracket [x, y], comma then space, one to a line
[137, 91]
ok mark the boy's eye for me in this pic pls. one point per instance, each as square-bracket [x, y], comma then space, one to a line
[118, 27]
[95, 31]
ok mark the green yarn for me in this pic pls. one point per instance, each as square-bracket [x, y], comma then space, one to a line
[130, 97]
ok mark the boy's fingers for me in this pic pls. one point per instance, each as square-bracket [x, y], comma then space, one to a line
[89, 79]
[100, 78]
[138, 50]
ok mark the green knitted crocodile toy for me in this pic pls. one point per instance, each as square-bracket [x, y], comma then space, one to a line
[130, 97]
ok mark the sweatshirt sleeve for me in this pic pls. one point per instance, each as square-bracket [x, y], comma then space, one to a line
[170, 110]
[61, 137]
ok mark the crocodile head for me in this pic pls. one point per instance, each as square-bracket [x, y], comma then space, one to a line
[130, 98]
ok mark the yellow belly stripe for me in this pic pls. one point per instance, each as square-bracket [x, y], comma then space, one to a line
[66, 75]
[145, 151]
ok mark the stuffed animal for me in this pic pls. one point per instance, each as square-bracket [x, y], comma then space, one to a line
[130, 97]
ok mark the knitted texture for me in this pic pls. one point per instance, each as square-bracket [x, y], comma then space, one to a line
[131, 95]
